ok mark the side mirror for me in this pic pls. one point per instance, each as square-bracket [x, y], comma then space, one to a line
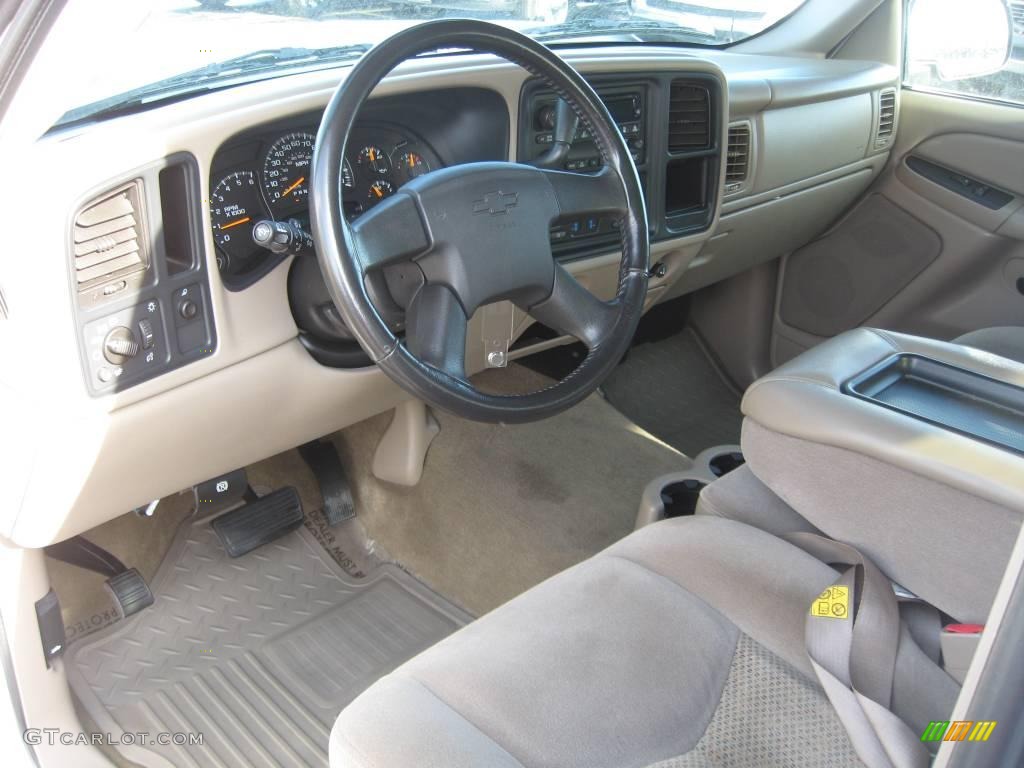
[958, 39]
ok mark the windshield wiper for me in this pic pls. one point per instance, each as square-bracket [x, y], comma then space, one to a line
[221, 74]
[644, 30]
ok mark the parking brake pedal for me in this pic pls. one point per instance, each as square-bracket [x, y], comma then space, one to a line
[125, 585]
[259, 522]
[130, 591]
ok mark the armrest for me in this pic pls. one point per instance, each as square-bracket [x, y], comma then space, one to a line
[936, 509]
[804, 399]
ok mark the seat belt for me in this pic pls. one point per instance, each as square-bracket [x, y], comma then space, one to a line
[852, 635]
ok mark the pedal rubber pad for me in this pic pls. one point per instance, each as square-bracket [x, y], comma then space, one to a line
[130, 592]
[259, 522]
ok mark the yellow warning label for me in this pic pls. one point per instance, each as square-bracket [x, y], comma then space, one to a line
[833, 603]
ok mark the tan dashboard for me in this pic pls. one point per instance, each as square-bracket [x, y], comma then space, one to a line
[248, 388]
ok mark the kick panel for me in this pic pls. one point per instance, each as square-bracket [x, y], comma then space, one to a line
[841, 279]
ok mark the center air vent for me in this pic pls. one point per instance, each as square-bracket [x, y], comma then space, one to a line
[737, 162]
[886, 114]
[689, 119]
[110, 244]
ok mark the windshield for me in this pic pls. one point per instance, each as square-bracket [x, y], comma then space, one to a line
[137, 52]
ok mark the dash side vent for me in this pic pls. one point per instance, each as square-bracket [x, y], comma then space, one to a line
[689, 120]
[4, 312]
[109, 238]
[886, 114]
[737, 157]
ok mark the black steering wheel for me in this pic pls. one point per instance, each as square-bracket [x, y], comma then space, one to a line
[456, 239]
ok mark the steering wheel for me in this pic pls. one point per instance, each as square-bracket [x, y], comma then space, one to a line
[461, 237]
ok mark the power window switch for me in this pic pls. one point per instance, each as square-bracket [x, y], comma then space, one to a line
[146, 333]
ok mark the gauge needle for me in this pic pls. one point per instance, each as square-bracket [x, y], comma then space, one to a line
[236, 223]
[293, 186]
[377, 192]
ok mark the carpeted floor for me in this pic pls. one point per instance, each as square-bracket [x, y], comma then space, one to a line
[672, 389]
[501, 508]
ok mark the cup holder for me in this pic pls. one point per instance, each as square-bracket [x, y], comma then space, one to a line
[680, 498]
[724, 463]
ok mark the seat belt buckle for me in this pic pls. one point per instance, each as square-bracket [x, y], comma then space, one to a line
[959, 642]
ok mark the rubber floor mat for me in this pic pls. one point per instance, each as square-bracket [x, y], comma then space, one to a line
[258, 654]
[673, 390]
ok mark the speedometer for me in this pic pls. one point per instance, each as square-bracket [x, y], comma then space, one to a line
[286, 169]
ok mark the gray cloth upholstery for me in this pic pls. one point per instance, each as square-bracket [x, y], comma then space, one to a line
[739, 495]
[1006, 341]
[866, 502]
[620, 661]
[762, 690]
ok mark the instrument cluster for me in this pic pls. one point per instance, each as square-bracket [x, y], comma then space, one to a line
[272, 182]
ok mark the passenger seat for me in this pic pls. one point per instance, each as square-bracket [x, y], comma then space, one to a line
[1005, 341]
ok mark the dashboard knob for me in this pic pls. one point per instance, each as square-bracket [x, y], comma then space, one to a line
[120, 345]
[546, 118]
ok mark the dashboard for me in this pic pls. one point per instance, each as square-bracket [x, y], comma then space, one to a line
[174, 348]
[264, 173]
[276, 185]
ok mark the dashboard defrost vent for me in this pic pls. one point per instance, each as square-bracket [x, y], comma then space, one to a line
[737, 159]
[110, 242]
[689, 118]
[886, 114]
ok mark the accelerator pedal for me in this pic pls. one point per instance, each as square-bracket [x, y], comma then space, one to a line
[323, 460]
[259, 522]
[130, 592]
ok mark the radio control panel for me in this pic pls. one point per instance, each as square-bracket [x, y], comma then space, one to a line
[627, 108]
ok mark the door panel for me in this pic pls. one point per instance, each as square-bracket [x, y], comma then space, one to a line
[932, 252]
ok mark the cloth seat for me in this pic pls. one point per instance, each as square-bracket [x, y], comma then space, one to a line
[681, 645]
[1006, 341]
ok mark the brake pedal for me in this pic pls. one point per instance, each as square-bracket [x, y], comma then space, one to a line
[259, 522]
[130, 592]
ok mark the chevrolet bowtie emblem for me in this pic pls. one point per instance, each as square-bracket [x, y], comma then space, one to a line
[496, 202]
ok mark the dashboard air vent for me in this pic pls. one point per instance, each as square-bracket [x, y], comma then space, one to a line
[737, 162]
[689, 119]
[4, 314]
[886, 113]
[109, 238]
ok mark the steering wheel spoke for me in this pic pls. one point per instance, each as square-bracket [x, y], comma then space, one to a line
[574, 311]
[598, 193]
[390, 232]
[436, 329]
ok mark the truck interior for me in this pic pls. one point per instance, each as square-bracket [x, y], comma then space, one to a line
[513, 384]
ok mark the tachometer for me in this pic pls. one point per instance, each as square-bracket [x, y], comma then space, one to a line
[235, 207]
[347, 178]
[374, 160]
[286, 169]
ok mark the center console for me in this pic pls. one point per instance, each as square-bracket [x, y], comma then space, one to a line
[672, 125]
[908, 448]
